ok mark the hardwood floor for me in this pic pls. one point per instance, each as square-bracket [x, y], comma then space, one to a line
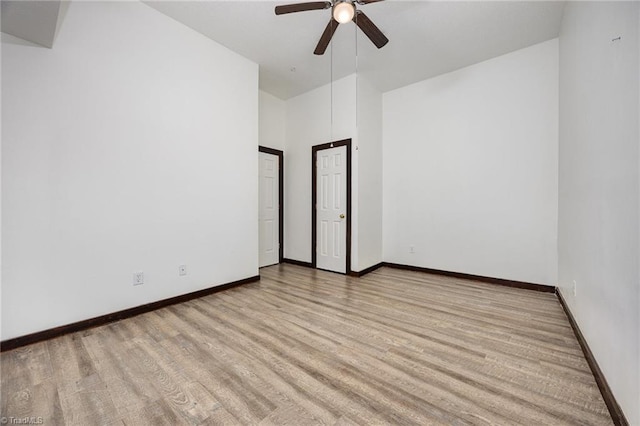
[311, 347]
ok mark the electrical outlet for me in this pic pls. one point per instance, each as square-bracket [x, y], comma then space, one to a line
[412, 249]
[182, 270]
[138, 278]
[574, 288]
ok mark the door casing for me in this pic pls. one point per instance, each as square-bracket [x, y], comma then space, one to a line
[280, 155]
[314, 200]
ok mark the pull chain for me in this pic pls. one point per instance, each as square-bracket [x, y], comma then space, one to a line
[355, 32]
[331, 87]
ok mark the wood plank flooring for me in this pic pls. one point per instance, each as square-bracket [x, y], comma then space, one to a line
[306, 347]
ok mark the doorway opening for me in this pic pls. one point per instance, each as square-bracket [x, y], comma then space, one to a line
[271, 205]
[331, 206]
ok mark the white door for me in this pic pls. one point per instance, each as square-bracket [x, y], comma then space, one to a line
[269, 214]
[331, 208]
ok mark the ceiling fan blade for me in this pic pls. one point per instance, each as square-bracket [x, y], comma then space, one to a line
[367, 1]
[370, 29]
[331, 28]
[301, 7]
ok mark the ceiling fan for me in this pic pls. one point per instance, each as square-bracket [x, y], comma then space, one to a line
[343, 12]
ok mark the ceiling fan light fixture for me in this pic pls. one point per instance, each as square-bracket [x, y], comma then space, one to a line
[343, 12]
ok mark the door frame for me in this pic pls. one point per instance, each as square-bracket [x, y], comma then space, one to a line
[280, 155]
[314, 200]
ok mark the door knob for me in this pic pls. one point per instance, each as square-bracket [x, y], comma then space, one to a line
[342, 216]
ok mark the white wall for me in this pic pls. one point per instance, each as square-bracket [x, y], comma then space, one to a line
[1, 208]
[272, 123]
[129, 146]
[308, 118]
[598, 187]
[470, 168]
[369, 150]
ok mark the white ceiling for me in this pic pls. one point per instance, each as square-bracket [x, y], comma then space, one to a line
[34, 21]
[426, 38]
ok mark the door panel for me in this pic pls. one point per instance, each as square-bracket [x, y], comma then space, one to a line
[269, 209]
[331, 209]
